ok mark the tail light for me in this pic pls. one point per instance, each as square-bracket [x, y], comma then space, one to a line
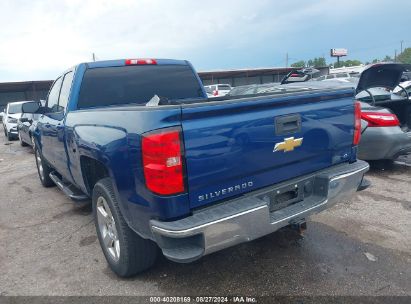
[162, 160]
[357, 123]
[376, 119]
[141, 62]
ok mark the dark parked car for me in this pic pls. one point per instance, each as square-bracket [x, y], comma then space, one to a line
[386, 112]
[25, 127]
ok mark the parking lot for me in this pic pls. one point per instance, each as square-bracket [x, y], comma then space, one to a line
[358, 247]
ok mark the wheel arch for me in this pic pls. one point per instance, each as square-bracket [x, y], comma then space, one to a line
[92, 171]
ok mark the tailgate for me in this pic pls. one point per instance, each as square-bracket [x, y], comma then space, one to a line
[233, 147]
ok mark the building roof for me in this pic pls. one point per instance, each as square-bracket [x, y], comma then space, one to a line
[22, 86]
[244, 72]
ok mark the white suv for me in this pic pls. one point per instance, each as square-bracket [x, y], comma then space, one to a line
[216, 90]
[10, 117]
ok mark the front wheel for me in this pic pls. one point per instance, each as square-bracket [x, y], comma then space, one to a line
[43, 170]
[126, 252]
[22, 143]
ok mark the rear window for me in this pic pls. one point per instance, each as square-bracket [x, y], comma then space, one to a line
[224, 87]
[137, 85]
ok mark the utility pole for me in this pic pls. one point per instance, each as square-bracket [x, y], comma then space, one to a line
[286, 60]
[94, 57]
[395, 56]
[402, 41]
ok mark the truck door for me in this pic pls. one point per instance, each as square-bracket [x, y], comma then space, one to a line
[57, 142]
[53, 135]
[47, 120]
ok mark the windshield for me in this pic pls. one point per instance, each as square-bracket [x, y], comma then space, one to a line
[14, 108]
[137, 85]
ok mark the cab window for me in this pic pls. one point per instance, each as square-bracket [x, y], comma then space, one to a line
[65, 91]
[53, 98]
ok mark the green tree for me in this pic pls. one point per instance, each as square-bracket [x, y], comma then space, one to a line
[317, 62]
[353, 62]
[320, 62]
[298, 64]
[387, 58]
[348, 63]
[405, 56]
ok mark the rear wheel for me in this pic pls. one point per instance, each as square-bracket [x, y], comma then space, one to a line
[43, 170]
[126, 252]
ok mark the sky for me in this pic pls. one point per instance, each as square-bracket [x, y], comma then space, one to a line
[39, 39]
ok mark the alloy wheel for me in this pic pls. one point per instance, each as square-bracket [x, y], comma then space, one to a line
[107, 228]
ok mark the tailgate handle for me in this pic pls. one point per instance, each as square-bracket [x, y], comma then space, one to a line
[287, 124]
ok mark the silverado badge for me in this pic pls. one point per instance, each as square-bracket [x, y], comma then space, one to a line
[289, 144]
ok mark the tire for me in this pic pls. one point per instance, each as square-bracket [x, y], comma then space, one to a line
[9, 136]
[43, 169]
[22, 143]
[126, 252]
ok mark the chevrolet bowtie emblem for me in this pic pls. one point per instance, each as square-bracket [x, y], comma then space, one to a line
[289, 144]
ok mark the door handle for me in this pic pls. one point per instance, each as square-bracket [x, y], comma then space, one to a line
[288, 124]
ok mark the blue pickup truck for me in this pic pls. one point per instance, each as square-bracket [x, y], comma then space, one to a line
[166, 168]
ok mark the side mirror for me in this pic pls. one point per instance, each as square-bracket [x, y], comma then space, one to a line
[31, 107]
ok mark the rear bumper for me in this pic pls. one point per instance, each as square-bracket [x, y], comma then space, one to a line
[249, 217]
[384, 143]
